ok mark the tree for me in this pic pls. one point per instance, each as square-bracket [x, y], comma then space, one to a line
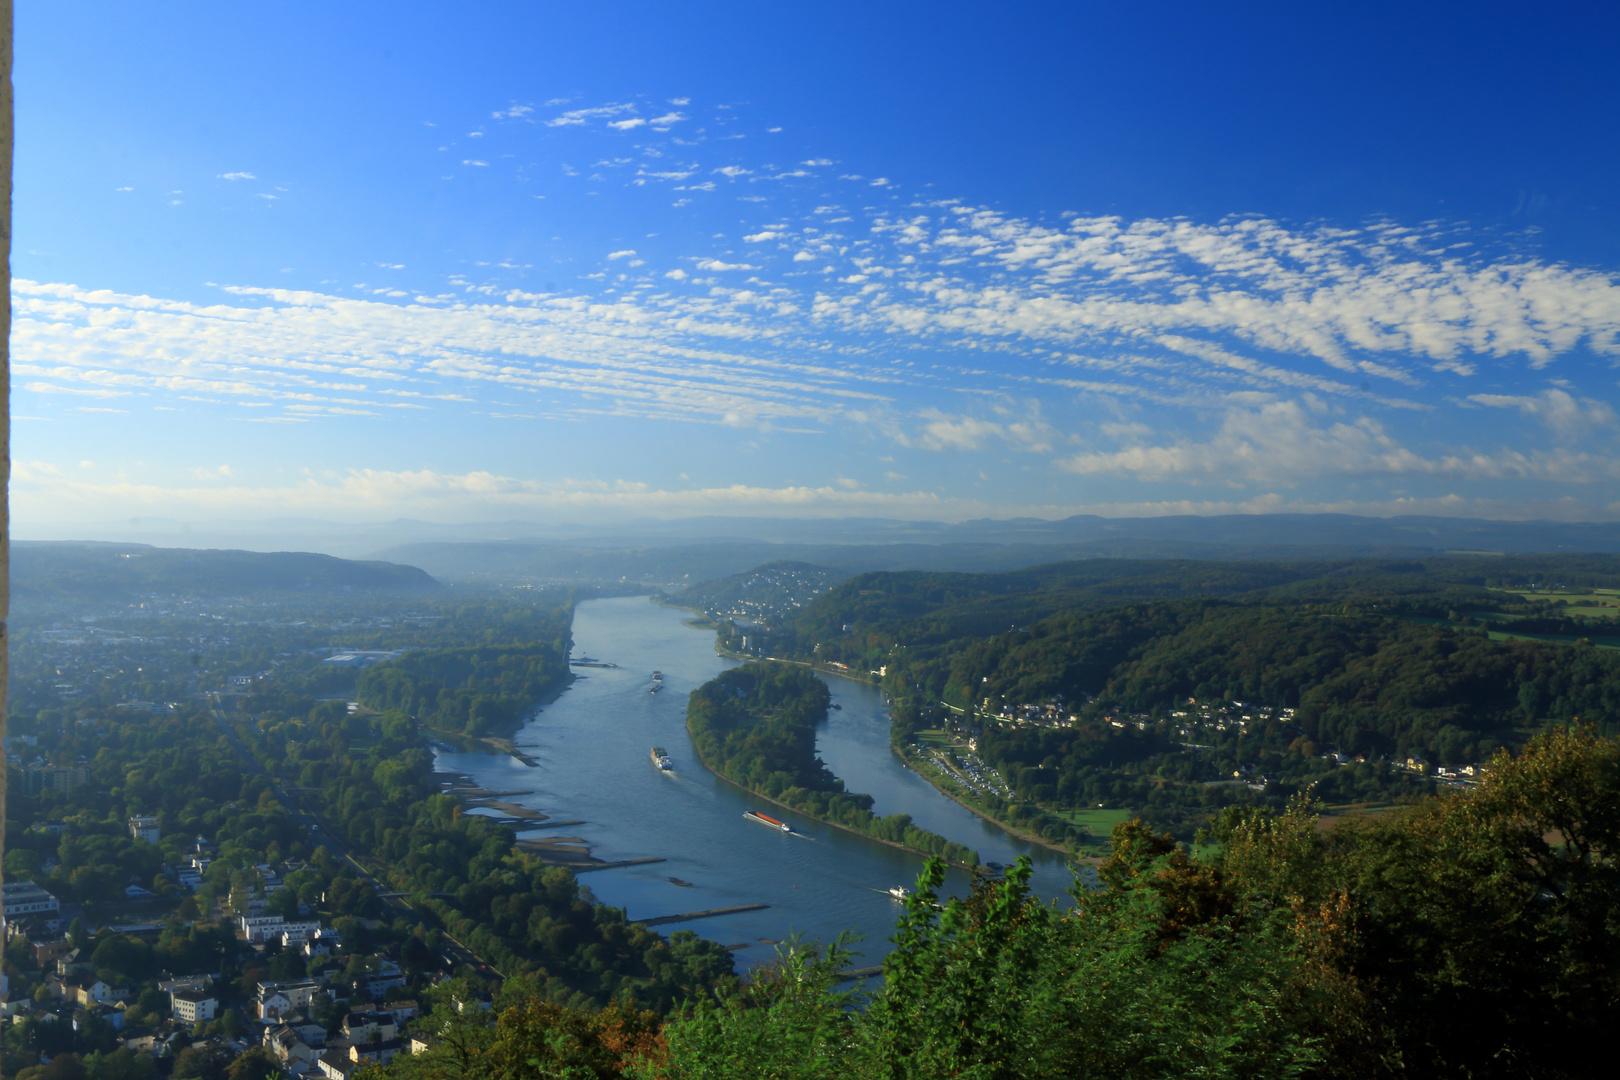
[1475, 935]
[121, 1064]
[206, 1063]
[255, 1063]
[791, 1019]
[123, 957]
[62, 1067]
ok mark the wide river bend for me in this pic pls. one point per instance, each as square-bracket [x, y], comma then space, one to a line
[592, 747]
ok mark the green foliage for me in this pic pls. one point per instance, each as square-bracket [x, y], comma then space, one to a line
[1000, 986]
[756, 726]
[792, 1019]
[1475, 936]
[509, 907]
[529, 1038]
[1379, 659]
[476, 689]
[1479, 934]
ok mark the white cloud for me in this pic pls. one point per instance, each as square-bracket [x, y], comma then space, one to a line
[51, 388]
[943, 431]
[578, 117]
[470, 161]
[1354, 300]
[1279, 443]
[701, 359]
[625, 254]
[45, 494]
[626, 125]
[1563, 414]
[1132, 431]
[1186, 317]
[236, 176]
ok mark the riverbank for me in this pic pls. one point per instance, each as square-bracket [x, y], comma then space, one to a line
[830, 824]
[569, 851]
[755, 727]
[922, 768]
[932, 774]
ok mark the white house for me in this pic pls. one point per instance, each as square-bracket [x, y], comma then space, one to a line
[295, 1047]
[193, 1006]
[278, 999]
[143, 827]
[25, 898]
[259, 928]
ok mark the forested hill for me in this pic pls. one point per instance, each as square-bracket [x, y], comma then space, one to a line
[87, 570]
[765, 593]
[939, 607]
[1172, 688]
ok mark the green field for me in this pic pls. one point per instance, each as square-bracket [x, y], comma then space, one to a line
[1552, 639]
[1100, 822]
[1596, 603]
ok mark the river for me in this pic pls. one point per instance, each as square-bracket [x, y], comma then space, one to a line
[592, 748]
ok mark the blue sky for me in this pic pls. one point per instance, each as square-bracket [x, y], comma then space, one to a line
[472, 262]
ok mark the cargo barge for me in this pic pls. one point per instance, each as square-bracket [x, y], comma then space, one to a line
[767, 821]
[661, 759]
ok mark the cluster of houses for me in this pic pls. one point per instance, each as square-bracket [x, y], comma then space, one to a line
[371, 1036]
[1229, 715]
[1047, 714]
[1457, 775]
[286, 1011]
[771, 593]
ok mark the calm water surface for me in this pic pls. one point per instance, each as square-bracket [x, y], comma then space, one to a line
[592, 745]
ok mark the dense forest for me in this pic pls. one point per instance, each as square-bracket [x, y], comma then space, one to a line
[756, 726]
[475, 690]
[1172, 688]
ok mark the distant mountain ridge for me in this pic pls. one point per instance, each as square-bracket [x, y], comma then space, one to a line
[1227, 536]
[684, 552]
[47, 568]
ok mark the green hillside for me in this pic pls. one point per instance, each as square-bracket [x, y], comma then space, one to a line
[63, 569]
